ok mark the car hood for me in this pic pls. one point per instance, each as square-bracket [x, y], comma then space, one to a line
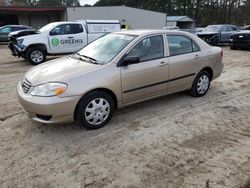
[243, 32]
[21, 33]
[206, 33]
[59, 70]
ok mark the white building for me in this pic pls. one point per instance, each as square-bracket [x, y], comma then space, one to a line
[135, 18]
[40, 16]
[183, 22]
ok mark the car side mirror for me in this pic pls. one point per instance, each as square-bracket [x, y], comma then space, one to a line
[130, 60]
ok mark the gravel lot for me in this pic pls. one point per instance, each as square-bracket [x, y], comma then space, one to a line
[174, 141]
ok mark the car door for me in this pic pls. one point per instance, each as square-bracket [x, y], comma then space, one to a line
[148, 78]
[4, 31]
[67, 38]
[226, 32]
[184, 58]
[234, 30]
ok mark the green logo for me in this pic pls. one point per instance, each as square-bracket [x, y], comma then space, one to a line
[55, 42]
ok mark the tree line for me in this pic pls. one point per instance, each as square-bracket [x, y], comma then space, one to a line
[205, 12]
[42, 3]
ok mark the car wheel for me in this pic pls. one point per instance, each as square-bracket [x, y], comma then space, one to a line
[35, 55]
[201, 84]
[95, 110]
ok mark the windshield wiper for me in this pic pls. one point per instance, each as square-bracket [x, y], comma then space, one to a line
[90, 59]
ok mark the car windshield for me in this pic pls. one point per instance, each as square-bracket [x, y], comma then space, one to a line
[212, 28]
[104, 49]
[47, 27]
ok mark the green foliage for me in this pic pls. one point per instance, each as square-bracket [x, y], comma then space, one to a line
[46, 2]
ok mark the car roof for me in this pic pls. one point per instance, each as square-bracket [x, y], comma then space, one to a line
[16, 26]
[222, 25]
[246, 26]
[151, 32]
[244, 32]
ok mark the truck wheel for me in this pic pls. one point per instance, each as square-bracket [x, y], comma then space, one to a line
[95, 110]
[35, 55]
[201, 84]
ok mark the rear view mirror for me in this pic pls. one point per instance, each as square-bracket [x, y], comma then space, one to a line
[130, 60]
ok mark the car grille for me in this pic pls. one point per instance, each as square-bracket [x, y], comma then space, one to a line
[25, 85]
[241, 36]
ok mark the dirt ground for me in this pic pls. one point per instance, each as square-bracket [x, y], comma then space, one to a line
[174, 141]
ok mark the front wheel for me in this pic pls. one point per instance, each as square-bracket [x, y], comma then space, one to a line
[201, 84]
[95, 110]
[35, 55]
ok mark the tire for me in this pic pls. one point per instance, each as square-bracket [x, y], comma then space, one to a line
[35, 55]
[201, 84]
[94, 110]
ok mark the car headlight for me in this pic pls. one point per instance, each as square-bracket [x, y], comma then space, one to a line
[19, 41]
[49, 89]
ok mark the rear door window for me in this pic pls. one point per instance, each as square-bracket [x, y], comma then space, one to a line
[67, 29]
[235, 28]
[76, 28]
[229, 28]
[179, 44]
[224, 29]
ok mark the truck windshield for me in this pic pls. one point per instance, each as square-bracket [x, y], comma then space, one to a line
[212, 28]
[104, 49]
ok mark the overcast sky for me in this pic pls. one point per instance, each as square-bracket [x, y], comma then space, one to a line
[90, 2]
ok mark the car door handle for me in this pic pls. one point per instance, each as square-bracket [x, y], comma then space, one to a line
[197, 56]
[163, 63]
[70, 37]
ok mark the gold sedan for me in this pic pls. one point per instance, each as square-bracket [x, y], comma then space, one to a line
[115, 71]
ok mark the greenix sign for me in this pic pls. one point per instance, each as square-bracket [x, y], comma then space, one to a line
[55, 41]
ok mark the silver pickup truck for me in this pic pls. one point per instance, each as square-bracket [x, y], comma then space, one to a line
[215, 34]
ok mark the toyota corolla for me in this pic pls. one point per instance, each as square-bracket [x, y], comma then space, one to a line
[115, 71]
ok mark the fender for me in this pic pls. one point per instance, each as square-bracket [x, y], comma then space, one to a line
[35, 40]
[40, 45]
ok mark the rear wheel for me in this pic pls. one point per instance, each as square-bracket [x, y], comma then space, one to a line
[201, 84]
[35, 55]
[95, 110]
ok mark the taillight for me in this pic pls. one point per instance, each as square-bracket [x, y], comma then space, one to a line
[221, 53]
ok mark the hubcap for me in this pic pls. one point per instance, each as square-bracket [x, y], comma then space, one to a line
[202, 84]
[37, 56]
[97, 111]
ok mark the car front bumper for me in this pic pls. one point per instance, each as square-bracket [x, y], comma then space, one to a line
[17, 50]
[48, 109]
[240, 43]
